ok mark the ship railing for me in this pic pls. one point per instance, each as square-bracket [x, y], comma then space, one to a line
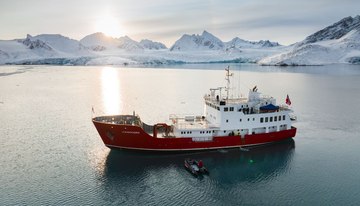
[196, 126]
[228, 101]
[236, 100]
[265, 96]
[120, 119]
[193, 126]
[175, 118]
[285, 107]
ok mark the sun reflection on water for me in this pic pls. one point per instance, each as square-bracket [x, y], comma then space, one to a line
[110, 90]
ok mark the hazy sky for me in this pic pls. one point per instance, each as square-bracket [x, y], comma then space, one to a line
[285, 21]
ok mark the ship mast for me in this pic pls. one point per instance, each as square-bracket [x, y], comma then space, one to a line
[227, 78]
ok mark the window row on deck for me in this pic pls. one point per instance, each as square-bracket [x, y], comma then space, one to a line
[201, 132]
[229, 109]
[272, 119]
[267, 119]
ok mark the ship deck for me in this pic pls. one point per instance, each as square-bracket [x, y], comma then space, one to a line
[191, 122]
[194, 125]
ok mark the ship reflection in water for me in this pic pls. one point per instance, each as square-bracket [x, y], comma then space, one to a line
[144, 176]
[110, 90]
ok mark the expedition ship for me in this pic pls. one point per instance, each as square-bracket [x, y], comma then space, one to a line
[226, 123]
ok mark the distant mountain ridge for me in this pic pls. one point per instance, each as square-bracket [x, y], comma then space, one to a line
[152, 45]
[337, 43]
[241, 43]
[99, 40]
[207, 41]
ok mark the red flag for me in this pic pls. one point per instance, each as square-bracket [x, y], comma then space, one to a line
[287, 101]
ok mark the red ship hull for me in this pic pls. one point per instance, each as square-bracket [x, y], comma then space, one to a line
[134, 137]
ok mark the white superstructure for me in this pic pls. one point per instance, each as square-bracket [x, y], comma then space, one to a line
[224, 116]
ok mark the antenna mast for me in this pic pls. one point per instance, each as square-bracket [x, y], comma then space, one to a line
[227, 78]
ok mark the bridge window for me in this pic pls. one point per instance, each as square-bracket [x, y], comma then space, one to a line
[283, 117]
[271, 118]
[275, 118]
[231, 109]
[266, 119]
[279, 118]
[226, 109]
[261, 119]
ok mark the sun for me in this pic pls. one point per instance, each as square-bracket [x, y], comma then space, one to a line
[109, 25]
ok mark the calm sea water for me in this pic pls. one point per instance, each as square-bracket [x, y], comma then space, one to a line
[51, 153]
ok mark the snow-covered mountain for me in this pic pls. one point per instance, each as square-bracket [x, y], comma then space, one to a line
[205, 41]
[14, 50]
[99, 41]
[241, 43]
[335, 31]
[337, 43]
[33, 43]
[25, 49]
[152, 45]
[128, 44]
[100, 49]
[62, 43]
